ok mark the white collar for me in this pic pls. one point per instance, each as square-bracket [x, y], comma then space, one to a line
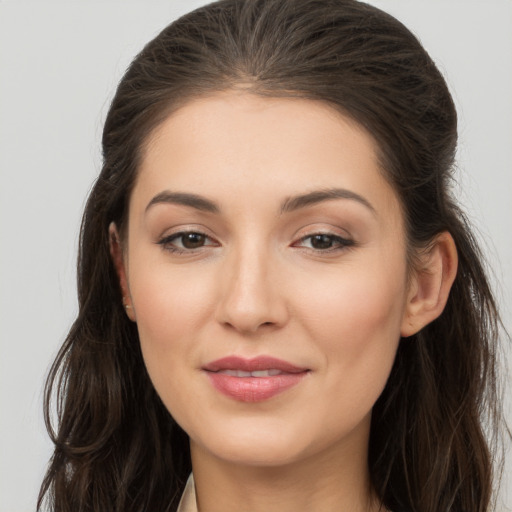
[188, 499]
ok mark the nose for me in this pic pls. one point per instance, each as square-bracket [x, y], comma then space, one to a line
[252, 297]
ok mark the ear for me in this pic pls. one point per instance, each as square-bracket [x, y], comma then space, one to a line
[430, 285]
[116, 252]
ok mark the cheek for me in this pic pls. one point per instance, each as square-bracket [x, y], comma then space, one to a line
[170, 307]
[355, 300]
[168, 304]
[356, 325]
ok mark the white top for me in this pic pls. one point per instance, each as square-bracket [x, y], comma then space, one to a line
[188, 499]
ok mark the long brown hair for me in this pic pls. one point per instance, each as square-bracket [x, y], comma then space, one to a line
[116, 446]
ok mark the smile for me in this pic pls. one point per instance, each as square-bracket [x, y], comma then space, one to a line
[253, 380]
[258, 373]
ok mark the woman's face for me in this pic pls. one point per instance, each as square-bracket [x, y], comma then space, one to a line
[266, 266]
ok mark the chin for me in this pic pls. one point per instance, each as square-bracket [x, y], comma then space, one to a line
[257, 455]
[254, 446]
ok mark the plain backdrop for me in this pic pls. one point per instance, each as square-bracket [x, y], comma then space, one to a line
[59, 64]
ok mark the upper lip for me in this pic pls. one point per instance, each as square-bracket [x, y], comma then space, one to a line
[252, 365]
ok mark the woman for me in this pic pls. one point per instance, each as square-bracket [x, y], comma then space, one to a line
[277, 291]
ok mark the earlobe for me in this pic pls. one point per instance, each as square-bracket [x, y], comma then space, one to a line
[116, 252]
[430, 286]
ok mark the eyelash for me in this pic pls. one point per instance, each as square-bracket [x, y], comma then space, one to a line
[339, 243]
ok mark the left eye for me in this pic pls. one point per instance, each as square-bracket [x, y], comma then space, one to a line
[324, 242]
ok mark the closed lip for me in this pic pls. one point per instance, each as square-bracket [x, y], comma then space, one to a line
[255, 364]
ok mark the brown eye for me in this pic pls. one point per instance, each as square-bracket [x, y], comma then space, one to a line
[322, 241]
[186, 241]
[193, 240]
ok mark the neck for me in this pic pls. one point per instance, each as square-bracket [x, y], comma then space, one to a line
[333, 480]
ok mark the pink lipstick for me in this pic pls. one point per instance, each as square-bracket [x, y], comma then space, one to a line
[253, 380]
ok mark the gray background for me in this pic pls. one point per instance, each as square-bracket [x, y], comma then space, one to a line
[59, 65]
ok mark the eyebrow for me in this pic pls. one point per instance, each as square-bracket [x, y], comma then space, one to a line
[290, 204]
[184, 199]
[318, 196]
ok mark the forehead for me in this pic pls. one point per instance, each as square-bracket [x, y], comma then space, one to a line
[257, 147]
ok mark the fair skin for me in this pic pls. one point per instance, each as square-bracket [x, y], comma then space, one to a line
[267, 269]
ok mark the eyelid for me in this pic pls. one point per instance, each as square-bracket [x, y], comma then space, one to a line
[182, 229]
[322, 228]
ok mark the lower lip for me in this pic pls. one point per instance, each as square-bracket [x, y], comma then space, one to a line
[254, 389]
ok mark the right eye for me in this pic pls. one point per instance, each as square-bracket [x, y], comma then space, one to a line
[185, 241]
